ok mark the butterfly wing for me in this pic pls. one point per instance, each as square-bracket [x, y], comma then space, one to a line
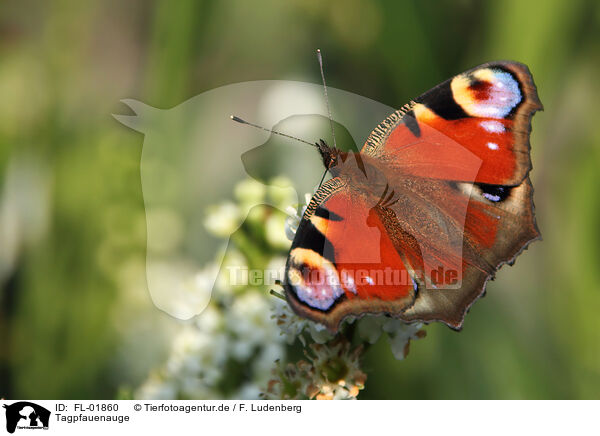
[339, 256]
[484, 113]
[495, 233]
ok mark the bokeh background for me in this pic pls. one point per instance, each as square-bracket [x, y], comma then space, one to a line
[76, 320]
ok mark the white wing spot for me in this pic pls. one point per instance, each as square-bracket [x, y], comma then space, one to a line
[492, 126]
[492, 146]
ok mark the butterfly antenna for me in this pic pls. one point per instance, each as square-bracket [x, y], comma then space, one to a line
[320, 57]
[239, 120]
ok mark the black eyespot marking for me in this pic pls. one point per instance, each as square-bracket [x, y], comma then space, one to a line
[411, 123]
[494, 193]
[441, 100]
[327, 214]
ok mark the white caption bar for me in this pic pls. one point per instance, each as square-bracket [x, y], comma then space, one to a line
[366, 418]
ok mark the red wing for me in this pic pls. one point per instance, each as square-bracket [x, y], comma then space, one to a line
[480, 117]
[343, 262]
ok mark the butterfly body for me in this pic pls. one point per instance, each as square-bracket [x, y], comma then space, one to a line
[437, 200]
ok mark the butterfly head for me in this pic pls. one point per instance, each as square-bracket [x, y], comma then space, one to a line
[329, 154]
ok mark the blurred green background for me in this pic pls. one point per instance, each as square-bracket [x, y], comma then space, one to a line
[72, 322]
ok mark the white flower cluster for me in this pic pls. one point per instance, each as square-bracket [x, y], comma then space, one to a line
[223, 219]
[228, 351]
[292, 326]
[222, 354]
[332, 372]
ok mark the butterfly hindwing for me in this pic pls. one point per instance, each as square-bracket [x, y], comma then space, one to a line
[495, 232]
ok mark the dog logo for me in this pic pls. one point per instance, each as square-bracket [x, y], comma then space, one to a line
[26, 415]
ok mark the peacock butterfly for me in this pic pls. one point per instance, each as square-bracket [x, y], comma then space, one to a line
[416, 223]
